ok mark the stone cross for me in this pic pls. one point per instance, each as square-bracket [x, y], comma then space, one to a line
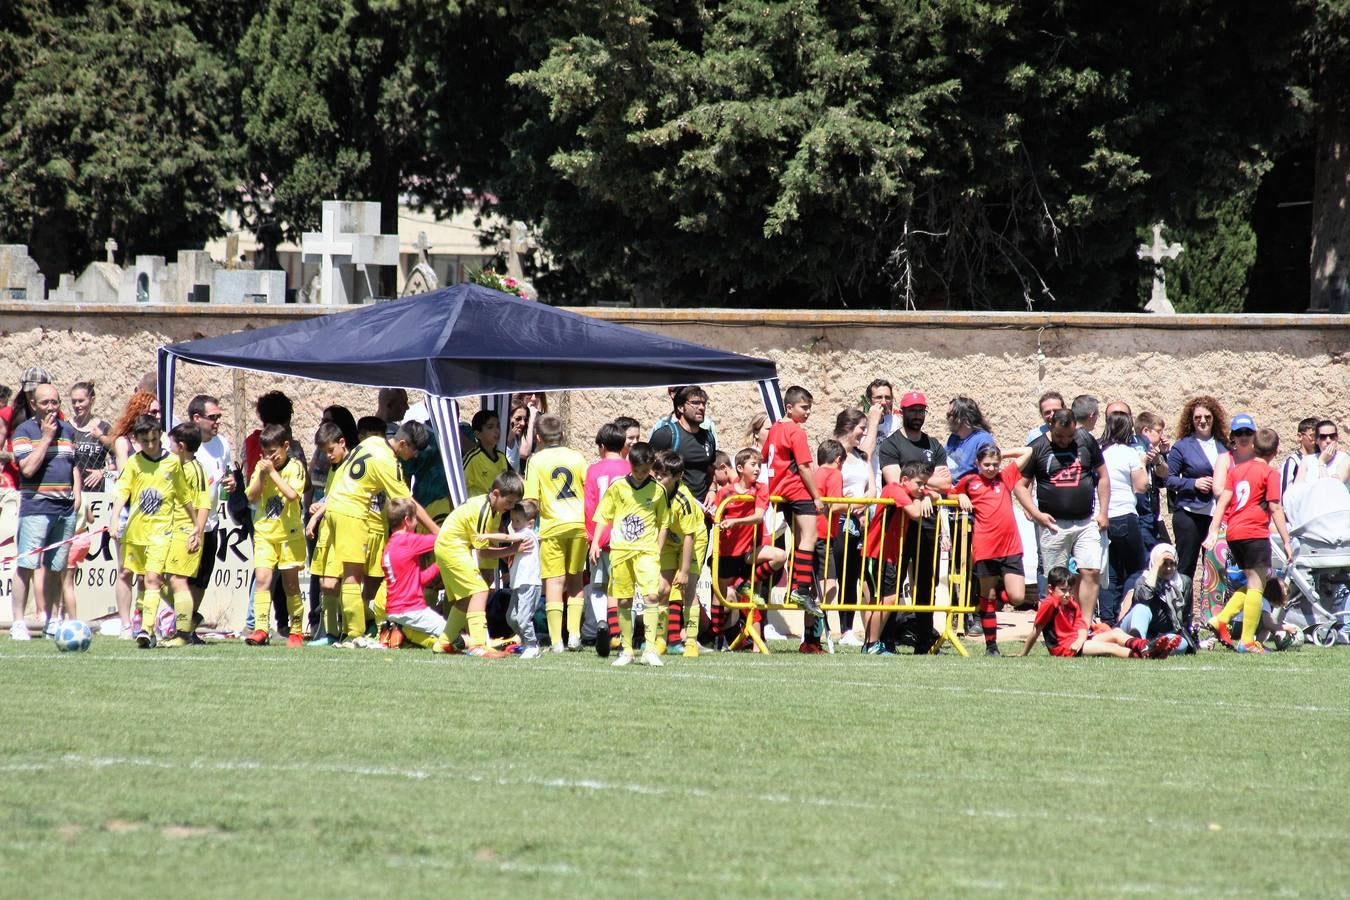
[1157, 254]
[350, 239]
[110, 246]
[519, 244]
[423, 247]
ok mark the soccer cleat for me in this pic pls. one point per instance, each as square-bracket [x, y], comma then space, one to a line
[675, 649]
[1251, 647]
[574, 642]
[602, 641]
[991, 650]
[193, 639]
[144, 639]
[558, 648]
[650, 657]
[294, 639]
[811, 647]
[444, 645]
[531, 653]
[1162, 647]
[19, 632]
[806, 600]
[624, 659]
[659, 645]
[323, 640]
[691, 649]
[485, 653]
[176, 641]
[257, 638]
[1220, 629]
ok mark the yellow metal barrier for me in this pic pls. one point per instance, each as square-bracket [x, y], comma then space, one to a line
[952, 575]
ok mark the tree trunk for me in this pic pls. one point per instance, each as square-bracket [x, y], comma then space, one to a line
[1330, 259]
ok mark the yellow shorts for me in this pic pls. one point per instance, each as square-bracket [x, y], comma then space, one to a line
[670, 557]
[142, 558]
[179, 561]
[460, 575]
[287, 552]
[325, 563]
[563, 554]
[633, 571]
[375, 553]
[354, 541]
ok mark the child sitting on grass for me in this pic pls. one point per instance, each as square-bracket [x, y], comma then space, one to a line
[406, 579]
[1060, 619]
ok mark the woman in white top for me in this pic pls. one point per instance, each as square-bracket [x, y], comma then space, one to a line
[850, 430]
[1125, 553]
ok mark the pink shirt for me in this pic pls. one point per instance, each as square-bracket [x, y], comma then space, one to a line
[404, 577]
[598, 479]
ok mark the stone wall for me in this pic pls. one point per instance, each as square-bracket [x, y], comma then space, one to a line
[1279, 368]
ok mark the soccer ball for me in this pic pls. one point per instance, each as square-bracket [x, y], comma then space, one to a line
[73, 635]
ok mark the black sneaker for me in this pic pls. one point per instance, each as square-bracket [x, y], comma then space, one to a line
[991, 650]
[602, 642]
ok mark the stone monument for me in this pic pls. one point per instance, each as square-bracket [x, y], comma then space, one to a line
[1158, 253]
[422, 278]
[349, 242]
[20, 277]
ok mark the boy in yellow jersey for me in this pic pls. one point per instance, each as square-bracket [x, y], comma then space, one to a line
[151, 484]
[368, 477]
[556, 478]
[185, 541]
[466, 539]
[278, 541]
[484, 462]
[682, 555]
[635, 510]
[325, 565]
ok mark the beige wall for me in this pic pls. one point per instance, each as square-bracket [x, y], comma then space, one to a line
[1279, 368]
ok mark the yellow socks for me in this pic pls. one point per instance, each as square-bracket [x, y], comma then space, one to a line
[182, 611]
[295, 607]
[1251, 614]
[575, 607]
[353, 609]
[651, 624]
[554, 610]
[477, 629]
[626, 628]
[456, 622]
[1234, 606]
[332, 613]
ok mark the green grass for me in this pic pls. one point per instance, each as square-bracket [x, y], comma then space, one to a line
[228, 771]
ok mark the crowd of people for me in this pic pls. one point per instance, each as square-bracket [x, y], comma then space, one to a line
[601, 541]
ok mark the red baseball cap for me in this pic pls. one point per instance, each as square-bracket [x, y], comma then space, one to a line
[913, 398]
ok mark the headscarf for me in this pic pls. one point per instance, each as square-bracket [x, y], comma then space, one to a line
[1160, 553]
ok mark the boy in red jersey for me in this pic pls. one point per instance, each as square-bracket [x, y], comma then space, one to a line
[997, 546]
[789, 462]
[1251, 501]
[738, 547]
[881, 549]
[1060, 619]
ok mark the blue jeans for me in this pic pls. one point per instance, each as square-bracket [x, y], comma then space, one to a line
[1125, 560]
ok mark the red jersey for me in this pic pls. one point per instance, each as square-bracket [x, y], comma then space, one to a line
[830, 483]
[785, 452]
[887, 547]
[599, 477]
[739, 539]
[1254, 485]
[1059, 622]
[996, 533]
[404, 577]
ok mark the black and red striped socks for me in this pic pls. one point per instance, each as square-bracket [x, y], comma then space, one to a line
[989, 621]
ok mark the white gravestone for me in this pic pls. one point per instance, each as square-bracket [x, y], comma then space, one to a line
[1157, 254]
[20, 277]
[148, 281]
[248, 286]
[350, 241]
[422, 279]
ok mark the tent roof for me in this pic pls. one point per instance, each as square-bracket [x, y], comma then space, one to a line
[469, 340]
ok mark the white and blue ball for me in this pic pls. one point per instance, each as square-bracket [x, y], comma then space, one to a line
[73, 636]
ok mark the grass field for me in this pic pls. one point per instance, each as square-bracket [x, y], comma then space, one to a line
[228, 771]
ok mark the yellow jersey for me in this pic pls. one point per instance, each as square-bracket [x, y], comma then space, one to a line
[199, 495]
[275, 517]
[556, 477]
[638, 511]
[686, 517]
[480, 470]
[462, 530]
[365, 480]
[151, 489]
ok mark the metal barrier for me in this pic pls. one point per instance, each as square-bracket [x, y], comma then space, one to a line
[952, 569]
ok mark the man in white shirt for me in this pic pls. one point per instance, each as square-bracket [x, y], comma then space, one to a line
[216, 458]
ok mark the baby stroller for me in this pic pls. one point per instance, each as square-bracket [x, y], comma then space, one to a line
[1319, 574]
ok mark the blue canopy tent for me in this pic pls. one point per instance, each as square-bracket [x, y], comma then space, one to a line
[467, 341]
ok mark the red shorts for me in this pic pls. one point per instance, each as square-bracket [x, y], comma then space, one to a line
[1065, 650]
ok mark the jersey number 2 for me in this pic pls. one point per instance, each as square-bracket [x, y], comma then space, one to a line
[564, 474]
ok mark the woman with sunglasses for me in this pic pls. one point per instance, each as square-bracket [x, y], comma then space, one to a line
[1202, 437]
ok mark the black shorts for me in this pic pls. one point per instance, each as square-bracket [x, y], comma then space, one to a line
[1251, 554]
[729, 568]
[795, 508]
[210, 546]
[889, 577]
[999, 566]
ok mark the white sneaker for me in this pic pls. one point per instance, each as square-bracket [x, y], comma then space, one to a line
[772, 634]
[649, 658]
[624, 659]
[850, 639]
[19, 632]
[557, 648]
[574, 642]
[365, 643]
[531, 653]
